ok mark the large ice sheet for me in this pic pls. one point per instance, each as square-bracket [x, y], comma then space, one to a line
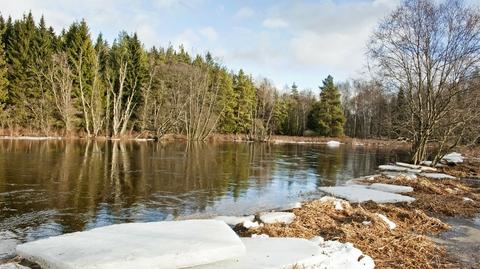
[160, 245]
[360, 195]
[282, 253]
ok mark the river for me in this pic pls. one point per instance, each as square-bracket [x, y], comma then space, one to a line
[54, 187]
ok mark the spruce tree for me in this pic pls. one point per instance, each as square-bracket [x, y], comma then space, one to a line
[3, 70]
[78, 45]
[326, 117]
[246, 99]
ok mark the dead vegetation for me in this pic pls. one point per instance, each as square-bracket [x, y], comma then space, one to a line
[407, 246]
[440, 197]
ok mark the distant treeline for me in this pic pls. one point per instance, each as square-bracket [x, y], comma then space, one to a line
[72, 84]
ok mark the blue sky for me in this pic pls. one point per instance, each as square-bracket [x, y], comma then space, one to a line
[285, 41]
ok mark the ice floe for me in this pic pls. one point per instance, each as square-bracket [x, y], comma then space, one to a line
[391, 188]
[360, 195]
[436, 175]
[167, 244]
[391, 225]
[396, 168]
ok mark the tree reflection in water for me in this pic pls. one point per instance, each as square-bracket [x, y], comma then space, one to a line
[53, 187]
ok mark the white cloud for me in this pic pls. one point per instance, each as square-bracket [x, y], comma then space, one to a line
[274, 23]
[209, 33]
[244, 13]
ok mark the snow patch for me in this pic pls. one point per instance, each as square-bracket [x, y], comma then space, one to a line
[394, 175]
[277, 217]
[338, 203]
[282, 253]
[466, 199]
[453, 158]
[260, 236]
[250, 224]
[333, 144]
[391, 225]
[233, 221]
[360, 195]
[172, 244]
[343, 255]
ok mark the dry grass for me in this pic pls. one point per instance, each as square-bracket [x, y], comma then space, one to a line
[440, 197]
[407, 246]
[468, 169]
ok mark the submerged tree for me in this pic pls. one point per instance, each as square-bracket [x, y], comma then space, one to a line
[430, 50]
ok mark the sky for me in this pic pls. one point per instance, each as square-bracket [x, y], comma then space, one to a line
[285, 41]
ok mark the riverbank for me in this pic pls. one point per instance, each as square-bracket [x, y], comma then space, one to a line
[278, 139]
[429, 232]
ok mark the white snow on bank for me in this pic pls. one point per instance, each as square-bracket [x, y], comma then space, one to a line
[167, 244]
[360, 195]
[233, 221]
[333, 144]
[283, 253]
[391, 188]
[391, 225]
[250, 224]
[436, 175]
[277, 217]
[453, 157]
[338, 203]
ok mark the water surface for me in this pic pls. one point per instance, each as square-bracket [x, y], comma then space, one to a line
[54, 187]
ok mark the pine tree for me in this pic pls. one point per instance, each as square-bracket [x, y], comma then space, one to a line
[326, 117]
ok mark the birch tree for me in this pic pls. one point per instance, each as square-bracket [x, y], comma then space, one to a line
[430, 49]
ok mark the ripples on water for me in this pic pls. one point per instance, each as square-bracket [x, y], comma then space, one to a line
[53, 187]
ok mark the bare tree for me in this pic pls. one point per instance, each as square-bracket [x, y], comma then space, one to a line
[121, 110]
[430, 49]
[61, 79]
